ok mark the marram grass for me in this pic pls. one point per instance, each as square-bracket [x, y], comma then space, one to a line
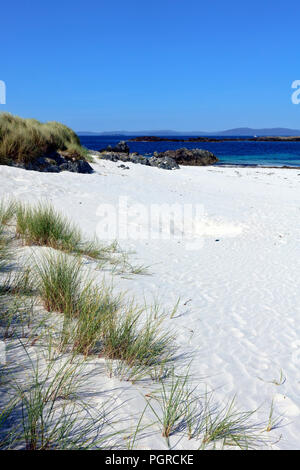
[96, 321]
[24, 140]
[7, 210]
[136, 341]
[4, 249]
[59, 282]
[96, 304]
[42, 225]
[47, 413]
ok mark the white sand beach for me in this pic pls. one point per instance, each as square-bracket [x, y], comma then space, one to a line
[236, 275]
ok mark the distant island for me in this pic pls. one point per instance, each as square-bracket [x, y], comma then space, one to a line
[239, 131]
[146, 138]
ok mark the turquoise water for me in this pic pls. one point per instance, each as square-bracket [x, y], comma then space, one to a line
[229, 153]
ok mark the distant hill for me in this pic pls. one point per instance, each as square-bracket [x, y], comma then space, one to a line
[239, 131]
[247, 131]
[136, 133]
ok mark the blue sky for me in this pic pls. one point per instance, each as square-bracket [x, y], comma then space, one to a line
[168, 64]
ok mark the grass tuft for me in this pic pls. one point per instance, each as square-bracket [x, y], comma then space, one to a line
[95, 305]
[124, 339]
[42, 225]
[5, 254]
[229, 427]
[175, 402]
[59, 282]
[49, 413]
[7, 210]
[96, 322]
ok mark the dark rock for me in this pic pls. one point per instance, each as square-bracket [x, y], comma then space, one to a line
[52, 169]
[54, 163]
[136, 159]
[53, 158]
[79, 166]
[112, 156]
[84, 167]
[42, 161]
[46, 164]
[67, 166]
[121, 147]
[124, 157]
[195, 157]
[157, 161]
[166, 163]
[60, 159]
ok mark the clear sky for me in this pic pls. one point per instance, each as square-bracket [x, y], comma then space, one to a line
[168, 64]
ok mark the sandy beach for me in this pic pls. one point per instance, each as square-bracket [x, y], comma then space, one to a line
[235, 279]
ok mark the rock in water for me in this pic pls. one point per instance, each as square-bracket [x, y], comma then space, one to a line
[194, 157]
[169, 160]
[121, 147]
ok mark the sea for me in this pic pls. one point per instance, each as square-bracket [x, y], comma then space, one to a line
[245, 153]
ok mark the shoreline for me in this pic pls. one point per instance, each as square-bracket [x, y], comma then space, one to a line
[249, 165]
[224, 165]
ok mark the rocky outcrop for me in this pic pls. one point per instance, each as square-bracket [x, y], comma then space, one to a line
[124, 157]
[169, 160]
[193, 157]
[121, 147]
[166, 163]
[55, 163]
[78, 166]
